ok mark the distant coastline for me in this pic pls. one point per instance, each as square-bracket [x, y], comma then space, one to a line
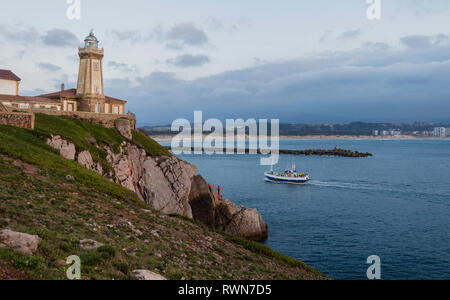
[167, 138]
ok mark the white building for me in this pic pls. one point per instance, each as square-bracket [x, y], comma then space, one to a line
[395, 132]
[9, 83]
[439, 132]
[9, 95]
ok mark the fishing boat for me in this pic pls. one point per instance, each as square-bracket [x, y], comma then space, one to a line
[288, 176]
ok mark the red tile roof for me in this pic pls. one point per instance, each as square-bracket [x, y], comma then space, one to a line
[72, 93]
[66, 93]
[24, 99]
[115, 99]
[7, 74]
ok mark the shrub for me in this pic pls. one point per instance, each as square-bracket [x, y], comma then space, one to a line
[122, 267]
[31, 262]
[90, 259]
[107, 252]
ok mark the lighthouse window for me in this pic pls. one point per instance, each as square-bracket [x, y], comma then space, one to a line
[96, 67]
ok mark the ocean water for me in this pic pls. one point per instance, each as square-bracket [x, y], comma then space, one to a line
[395, 205]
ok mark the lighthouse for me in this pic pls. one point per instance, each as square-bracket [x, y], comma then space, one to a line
[90, 88]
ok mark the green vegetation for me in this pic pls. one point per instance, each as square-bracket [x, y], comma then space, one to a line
[150, 145]
[258, 248]
[63, 212]
[38, 198]
[80, 133]
[29, 146]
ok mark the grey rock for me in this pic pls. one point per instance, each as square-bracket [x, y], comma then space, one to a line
[90, 244]
[241, 221]
[23, 243]
[171, 186]
[164, 193]
[124, 127]
[66, 149]
[147, 275]
[225, 215]
[85, 159]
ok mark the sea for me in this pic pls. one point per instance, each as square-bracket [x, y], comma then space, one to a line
[395, 205]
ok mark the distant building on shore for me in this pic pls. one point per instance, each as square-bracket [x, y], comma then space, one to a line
[440, 132]
[390, 132]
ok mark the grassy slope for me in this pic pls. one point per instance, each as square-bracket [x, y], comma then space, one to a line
[37, 198]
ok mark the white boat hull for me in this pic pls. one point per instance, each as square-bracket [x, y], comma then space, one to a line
[286, 179]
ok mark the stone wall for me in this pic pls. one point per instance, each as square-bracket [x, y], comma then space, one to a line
[22, 120]
[106, 120]
[3, 108]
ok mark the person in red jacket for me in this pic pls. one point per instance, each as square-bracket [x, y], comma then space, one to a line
[219, 190]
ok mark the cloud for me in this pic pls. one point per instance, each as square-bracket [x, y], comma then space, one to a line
[350, 34]
[423, 41]
[121, 66]
[174, 46]
[325, 36]
[176, 38]
[187, 34]
[23, 35]
[60, 38]
[19, 34]
[131, 36]
[214, 23]
[375, 82]
[187, 60]
[134, 36]
[48, 67]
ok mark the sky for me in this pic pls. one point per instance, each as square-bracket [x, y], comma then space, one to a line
[300, 61]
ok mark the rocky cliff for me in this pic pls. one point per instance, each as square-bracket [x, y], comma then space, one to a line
[167, 184]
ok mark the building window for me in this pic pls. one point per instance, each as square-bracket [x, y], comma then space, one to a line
[70, 107]
[96, 89]
[96, 108]
[96, 66]
[22, 105]
[116, 110]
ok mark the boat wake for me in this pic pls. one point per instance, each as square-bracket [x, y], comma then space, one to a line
[345, 185]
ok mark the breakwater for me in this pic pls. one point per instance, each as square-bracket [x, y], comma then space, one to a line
[309, 152]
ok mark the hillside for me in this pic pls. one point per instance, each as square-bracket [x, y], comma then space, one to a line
[63, 203]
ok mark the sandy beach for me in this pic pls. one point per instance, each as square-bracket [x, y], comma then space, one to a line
[168, 138]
